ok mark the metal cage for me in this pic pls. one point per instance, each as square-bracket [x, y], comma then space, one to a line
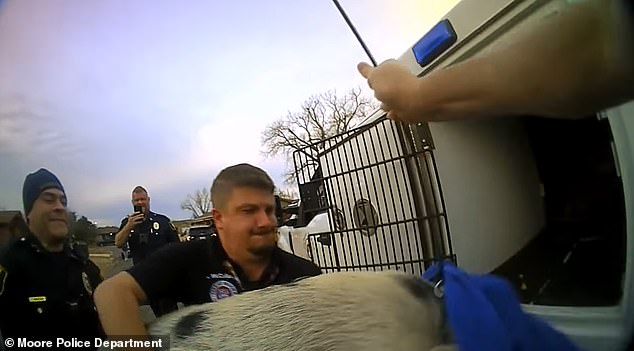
[378, 190]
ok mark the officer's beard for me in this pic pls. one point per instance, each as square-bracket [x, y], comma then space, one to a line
[264, 250]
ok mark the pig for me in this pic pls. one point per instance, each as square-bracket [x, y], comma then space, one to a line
[386, 310]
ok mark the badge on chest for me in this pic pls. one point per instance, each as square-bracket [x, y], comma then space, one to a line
[222, 286]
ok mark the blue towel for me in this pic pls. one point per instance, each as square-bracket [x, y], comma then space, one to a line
[484, 313]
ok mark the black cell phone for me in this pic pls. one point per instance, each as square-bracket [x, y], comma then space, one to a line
[138, 209]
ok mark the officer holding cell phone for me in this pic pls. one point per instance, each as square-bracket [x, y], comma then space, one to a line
[146, 232]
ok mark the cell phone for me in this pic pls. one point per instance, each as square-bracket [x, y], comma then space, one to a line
[138, 209]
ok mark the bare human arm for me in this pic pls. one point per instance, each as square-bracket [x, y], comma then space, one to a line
[122, 235]
[575, 63]
[118, 300]
[158, 276]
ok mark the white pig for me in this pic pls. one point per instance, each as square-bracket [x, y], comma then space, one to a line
[348, 311]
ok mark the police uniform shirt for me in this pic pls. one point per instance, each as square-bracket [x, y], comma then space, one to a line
[199, 271]
[148, 236]
[47, 294]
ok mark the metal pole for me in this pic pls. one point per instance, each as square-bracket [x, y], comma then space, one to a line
[354, 30]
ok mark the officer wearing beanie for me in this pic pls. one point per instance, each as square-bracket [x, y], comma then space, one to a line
[46, 285]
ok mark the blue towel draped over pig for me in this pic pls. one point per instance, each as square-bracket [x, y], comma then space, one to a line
[484, 313]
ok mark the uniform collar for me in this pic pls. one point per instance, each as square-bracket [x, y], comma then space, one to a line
[271, 272]
[151, 216]
[35, 244]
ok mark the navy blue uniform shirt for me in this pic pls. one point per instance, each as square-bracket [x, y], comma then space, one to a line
[45, 295]
[148, 236]
[199, 271]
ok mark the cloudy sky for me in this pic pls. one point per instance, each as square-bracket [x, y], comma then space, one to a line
[109, 94]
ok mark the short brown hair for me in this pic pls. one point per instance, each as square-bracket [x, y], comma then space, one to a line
[240, 175]
[139, 189]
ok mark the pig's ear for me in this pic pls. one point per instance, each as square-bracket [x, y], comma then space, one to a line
[445, 348]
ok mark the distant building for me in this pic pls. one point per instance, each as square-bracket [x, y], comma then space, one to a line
[286, 204]
[14, 221]
[105, 235]
[12, 225]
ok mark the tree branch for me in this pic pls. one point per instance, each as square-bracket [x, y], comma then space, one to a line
[198, 204]
[319, 117]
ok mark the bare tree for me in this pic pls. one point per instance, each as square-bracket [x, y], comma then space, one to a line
[198, 204]
[288, 193]
[319, 117]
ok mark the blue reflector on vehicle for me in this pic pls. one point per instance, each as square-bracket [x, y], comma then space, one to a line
[434, 43]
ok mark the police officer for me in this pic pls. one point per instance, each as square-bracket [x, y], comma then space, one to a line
[145, 232]
[243, 256]
[46, 285]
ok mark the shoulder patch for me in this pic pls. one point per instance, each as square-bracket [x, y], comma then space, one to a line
[222, 289]
[86, 281]
[3, 278]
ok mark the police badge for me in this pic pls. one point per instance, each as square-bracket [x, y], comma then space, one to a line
[86, 281]
[222, 289]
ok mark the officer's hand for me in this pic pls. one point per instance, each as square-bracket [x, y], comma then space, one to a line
[134, 219]
[396, 88]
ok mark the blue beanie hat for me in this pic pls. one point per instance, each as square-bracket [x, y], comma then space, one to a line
[34, 184]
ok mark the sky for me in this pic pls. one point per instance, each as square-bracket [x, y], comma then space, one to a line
[113, 94]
